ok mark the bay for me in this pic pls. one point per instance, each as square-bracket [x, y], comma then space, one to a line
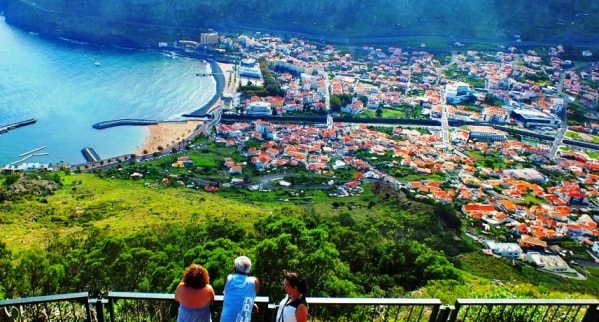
[67, 87]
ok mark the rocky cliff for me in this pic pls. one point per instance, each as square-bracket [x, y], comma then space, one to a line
[145, 22]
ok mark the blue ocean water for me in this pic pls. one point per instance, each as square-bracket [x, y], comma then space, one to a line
[67, 87]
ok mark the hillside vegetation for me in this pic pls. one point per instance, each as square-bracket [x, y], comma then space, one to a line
[106, 231]
[145, 22]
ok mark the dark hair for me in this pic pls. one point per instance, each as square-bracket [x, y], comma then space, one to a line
[196, 276]
[296, 280]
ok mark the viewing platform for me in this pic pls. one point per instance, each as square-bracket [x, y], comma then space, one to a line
[8, 127]
[137, 306]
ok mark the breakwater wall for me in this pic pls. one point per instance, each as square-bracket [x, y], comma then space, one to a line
[11, 126]
[90, 154]
[121, 122]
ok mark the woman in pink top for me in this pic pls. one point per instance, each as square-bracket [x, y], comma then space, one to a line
[194, 295]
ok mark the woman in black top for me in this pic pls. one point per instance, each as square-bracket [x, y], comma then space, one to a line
[293, 308]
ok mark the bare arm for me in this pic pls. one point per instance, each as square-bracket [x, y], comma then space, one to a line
[178, 290]
[301, 313]
[211, 292]
[257, 285]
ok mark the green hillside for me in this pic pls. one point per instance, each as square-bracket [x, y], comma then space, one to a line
[145, 22]
[105, 231]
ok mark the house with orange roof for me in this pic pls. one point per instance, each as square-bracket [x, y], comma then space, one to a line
[236, 169]
[231, 142]
[543, 233]
[527, 241]
[316, 167]
[272, 152]
[506, 205]
[465, 194]
[571, 193]
[477, 210]
[442, 196]
[521, 228]
[544, 221]
[257, 135]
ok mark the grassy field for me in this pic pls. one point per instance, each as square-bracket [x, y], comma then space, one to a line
[125, 206]
[129, 206]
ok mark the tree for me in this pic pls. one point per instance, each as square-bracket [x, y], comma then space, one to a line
[5, 266]
[335, 103]
[40, 277]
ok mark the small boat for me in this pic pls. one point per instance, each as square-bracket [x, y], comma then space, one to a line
[97, 63]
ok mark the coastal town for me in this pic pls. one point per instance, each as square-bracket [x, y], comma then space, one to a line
[507, 167]
[505, 135]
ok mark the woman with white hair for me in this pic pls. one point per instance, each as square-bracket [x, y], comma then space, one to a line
[240, 292]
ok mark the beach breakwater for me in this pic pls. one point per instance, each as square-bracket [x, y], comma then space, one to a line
[120, 122]
[8, 127]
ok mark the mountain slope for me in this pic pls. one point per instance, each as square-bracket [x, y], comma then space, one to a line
[145, 22]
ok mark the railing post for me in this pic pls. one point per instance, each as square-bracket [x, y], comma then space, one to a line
[592, 314]
[111, 308]
[443, 314]
[454, 313]
[434, 313]
[100, 309]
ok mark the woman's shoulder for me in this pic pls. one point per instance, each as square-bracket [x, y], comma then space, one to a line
[301, 300]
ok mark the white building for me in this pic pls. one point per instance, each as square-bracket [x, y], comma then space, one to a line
[509, 250]
[249, 68]
[457, 92]
[209, 38]
[531, 117]
[551, 263]
[485, 133]
[259, 108]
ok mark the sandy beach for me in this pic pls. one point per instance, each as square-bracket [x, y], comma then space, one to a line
[169, 134]
[166, 135]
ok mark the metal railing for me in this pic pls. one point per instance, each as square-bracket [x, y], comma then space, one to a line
[373, 309]
[137, 306]
[62, 307]
[533, 310]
